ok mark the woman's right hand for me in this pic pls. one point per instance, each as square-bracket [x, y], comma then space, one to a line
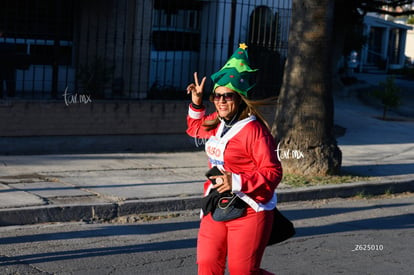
[196, 90]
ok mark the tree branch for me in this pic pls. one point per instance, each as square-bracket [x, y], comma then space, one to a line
[393, 13]
[379, 6]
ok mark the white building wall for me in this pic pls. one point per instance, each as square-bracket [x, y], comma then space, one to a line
[409, 46]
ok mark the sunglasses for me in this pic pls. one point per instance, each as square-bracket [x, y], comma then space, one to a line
[226, 96]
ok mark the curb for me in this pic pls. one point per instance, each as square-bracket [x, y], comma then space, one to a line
[93, 212]
[347, 190]
[108, 211]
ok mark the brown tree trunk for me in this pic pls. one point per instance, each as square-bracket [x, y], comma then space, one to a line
[304, 117]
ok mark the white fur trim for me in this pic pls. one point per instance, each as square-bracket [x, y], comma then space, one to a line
[196, 114]
[270, 205]
[235, 183]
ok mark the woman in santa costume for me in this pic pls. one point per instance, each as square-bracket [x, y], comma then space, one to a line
[242, 147]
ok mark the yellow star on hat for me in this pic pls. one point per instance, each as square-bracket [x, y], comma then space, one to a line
[243, 46]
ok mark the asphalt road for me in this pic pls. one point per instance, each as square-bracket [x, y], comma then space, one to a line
[337, 236]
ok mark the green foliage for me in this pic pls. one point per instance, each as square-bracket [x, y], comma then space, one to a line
[389, 95]
[363, 195]
[94, 76]
[389, 192]
[410, 20]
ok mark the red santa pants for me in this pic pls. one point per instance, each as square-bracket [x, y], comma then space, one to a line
[243, 240]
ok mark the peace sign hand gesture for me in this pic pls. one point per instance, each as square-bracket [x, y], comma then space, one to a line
[196, 90]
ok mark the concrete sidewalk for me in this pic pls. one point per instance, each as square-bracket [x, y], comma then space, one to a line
[59, 188]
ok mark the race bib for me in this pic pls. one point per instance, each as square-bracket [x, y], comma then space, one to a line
[216, 145]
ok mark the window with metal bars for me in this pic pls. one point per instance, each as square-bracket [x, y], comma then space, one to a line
[176, 26]
[145, 44]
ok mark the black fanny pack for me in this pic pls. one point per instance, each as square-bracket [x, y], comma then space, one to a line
[229, 207]
[224, 207]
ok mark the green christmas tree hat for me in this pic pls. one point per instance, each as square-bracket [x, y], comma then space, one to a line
[236, 74]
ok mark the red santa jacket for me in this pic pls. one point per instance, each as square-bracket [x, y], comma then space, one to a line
[250, 155]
